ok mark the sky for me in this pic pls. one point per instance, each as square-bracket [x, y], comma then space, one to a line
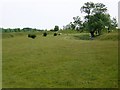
[45, 14]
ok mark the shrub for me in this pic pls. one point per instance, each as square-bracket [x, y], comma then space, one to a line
[55, 34]
[45, 34]
[29, 35]
[33, 36]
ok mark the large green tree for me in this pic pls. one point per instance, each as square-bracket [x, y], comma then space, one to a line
[98, 22]
[96, 18]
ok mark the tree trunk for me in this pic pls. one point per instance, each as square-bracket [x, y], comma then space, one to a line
[92, 34]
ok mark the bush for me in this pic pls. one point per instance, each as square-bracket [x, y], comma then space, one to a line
[45, 34]
[55, 34]
[33, 36]
[29, 35]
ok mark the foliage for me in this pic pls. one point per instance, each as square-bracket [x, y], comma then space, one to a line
[87, 8]
[27, 29]
[97, 22]
[45, 34]
[75, 25]
[33, 36]
[72, 25]
[56, 28]
[99, 8]
[55, 34]
[114, 23]
[96, 18]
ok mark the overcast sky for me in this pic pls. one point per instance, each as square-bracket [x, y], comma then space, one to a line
[45, 14]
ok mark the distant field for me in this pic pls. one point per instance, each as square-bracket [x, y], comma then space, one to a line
[65, 61]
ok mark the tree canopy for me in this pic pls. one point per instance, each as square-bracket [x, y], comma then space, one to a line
[96, 18]
[56, 28]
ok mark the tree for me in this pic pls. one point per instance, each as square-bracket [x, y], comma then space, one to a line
[98, 22]
[99, 8]
[87, 8]
[56, 28]
[77, 21]
[68, 26]
[27, 29]
[114, 22]
[72, 26]
[96, 17]
[16, 30]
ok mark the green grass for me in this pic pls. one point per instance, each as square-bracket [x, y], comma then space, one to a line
[109, 36]
[0, 61]
[59, 62]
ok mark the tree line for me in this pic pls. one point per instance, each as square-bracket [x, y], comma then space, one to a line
[27, 29]
[18, 29]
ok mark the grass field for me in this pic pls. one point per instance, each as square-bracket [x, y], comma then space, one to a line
[64, 61]
[0, 61]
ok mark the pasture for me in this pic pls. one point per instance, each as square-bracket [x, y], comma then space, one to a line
[63, 61]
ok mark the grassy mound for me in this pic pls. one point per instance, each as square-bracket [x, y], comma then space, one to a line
[113, 36]
[13, 34]
[108, 36]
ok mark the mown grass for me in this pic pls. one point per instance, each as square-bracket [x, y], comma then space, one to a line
[59, 62]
